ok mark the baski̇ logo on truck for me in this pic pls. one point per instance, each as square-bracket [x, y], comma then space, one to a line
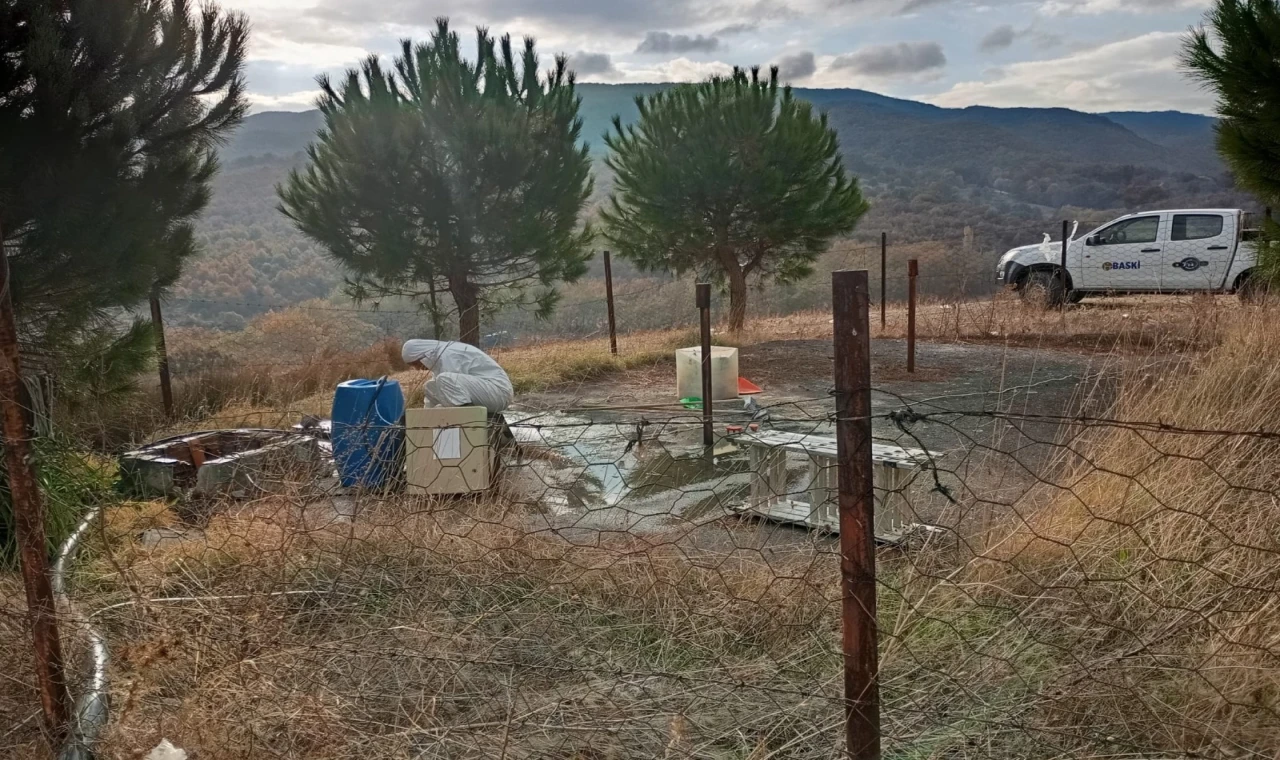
[1108, 266]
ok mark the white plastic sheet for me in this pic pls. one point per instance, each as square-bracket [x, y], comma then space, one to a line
[461, 375]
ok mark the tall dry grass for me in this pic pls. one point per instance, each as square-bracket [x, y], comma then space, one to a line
[455, 629]
[1145, 577]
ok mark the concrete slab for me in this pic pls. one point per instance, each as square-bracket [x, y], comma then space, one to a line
[241, 461]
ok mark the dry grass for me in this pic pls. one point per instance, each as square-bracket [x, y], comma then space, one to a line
[256, 399]
[1146, 576]
[428, 627]
[1136, 324]
[21, 725]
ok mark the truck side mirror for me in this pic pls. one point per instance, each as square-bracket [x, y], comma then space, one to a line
[1091, 240]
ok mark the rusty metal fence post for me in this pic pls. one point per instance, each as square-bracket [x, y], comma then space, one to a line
[857, 512]
[913, 271]
[162, 354]
[608, 295]
[28, 518]
[704, 306]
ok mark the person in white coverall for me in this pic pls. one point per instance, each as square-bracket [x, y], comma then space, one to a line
[461, 375]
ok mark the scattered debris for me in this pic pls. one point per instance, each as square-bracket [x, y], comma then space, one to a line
[166, 751]
[753, 408]
[218, 461]
[322, 429]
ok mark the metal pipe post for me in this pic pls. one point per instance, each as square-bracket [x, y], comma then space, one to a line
[1066, 230]
[884, 268]
[857, 510]
[704, 306]
[608, 294]
[913, 271]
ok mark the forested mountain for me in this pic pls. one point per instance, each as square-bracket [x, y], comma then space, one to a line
[929, 172]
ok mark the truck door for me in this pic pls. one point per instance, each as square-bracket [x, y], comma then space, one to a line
[1198, 251]
[1124, 256]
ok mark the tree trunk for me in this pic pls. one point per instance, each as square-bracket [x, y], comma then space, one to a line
[727, 257]
[467, 297]
[437, 329]
[737, 299]
[28, 517]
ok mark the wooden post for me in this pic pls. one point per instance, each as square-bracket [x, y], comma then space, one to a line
[913, 271]
[884, 268]
[162, 354]
[28, 518]
[857, 514]
[704, 306]
[608, 294]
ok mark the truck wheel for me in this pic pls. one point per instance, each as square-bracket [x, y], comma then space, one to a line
[1043, 290]
[1254, 290]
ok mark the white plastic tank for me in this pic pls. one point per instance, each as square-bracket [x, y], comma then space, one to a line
[724, 373]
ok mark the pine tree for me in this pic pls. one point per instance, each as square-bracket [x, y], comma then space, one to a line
[1238, 59]
[732, 179]
[109, 114]
[448, 175]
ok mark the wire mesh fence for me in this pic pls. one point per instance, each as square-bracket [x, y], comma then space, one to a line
[1086, 577]
[1087, 572]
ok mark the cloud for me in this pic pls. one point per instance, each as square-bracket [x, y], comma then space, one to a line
[915, 5]
[536, 16]
[800, 65]
[1140, 74]
[887, 61]
[732, 29]
[675, 70]
[1095, 7]
[666, 42]
[303, 100]
[999, 38]
[886, 8]
[586, 64]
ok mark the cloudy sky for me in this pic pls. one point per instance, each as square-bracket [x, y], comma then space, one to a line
[1092, 55]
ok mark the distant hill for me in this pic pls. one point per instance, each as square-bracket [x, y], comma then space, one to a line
[278, 133]
[1155, 140]
[1188, 134]
[929, 172]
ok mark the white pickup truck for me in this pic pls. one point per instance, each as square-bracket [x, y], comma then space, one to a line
[1191, 250]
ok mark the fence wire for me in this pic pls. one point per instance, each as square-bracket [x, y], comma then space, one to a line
[1088, 574]
[596, 584]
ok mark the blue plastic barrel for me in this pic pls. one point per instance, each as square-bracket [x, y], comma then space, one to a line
[368, 437]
